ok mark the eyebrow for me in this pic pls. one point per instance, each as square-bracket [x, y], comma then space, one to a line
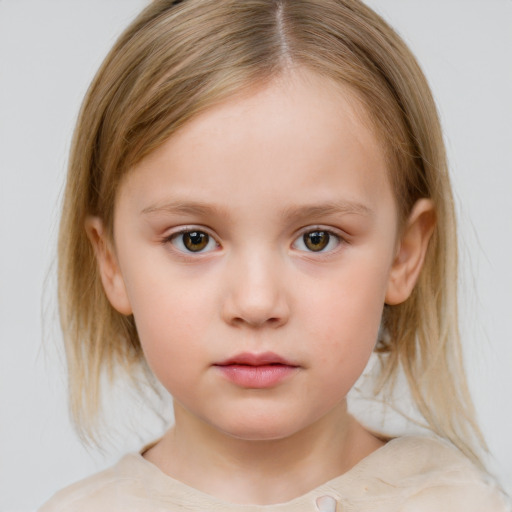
[185, 208]
[327, 208]
[290, 212]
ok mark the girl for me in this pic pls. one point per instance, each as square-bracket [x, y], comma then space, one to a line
[257, 200]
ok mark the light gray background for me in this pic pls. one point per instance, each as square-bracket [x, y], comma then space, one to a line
[49, 51]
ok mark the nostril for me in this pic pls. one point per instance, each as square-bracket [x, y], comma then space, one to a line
[257, 322]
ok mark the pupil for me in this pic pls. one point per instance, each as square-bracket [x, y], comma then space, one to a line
[195, 240]
[316, 240]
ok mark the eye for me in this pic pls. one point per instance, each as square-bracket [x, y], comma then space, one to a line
[193, 241]
[318, 240]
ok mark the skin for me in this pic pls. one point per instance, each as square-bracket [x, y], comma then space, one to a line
[255, 174]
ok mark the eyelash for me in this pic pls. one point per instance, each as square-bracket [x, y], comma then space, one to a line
[177, 241]
[331, 235]
[179, 235]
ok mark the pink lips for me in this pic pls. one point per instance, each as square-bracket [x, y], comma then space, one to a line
[256, 371]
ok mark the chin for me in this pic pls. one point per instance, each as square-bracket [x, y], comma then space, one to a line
[262, 434]
[262, 429]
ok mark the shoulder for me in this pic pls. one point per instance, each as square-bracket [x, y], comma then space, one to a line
[111, 490]
[426, 474]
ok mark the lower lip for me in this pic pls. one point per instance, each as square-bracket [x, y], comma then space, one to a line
[257, 377]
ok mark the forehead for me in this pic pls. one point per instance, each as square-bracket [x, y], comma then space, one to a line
[291, 135]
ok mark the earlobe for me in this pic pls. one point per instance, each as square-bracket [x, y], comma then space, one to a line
[411, 252]
[111, 277]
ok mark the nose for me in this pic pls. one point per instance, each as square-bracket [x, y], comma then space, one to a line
[256, 292]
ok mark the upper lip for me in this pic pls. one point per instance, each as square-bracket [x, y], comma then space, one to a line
[250, 359]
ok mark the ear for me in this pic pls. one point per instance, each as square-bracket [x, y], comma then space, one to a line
[110, 273]
[411, 252]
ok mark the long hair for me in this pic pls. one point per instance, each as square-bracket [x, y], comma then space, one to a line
[178, 59]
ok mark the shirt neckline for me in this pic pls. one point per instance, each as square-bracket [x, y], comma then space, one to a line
[342, 487]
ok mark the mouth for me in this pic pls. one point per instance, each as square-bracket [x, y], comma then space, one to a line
[257, 371]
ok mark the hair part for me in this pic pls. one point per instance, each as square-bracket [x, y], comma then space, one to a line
[178, 59]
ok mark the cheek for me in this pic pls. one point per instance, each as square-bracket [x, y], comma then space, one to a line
[349, 304]
[171, 318]
[344, 319]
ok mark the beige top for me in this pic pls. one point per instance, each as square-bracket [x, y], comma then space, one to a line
[408, 474]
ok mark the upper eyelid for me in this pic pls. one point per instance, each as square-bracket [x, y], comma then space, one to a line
[342, 235]
[190, 228]
[331, 230]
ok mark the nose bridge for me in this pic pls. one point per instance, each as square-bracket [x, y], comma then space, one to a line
[256, 293]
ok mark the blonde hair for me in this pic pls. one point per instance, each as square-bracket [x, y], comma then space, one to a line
[178, 59]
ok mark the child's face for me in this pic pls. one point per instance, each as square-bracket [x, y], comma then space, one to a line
[266, 226]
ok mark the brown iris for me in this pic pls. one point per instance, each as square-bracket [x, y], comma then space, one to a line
[195, 241]
[316, 240]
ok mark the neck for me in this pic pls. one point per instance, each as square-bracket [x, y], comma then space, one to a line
[261, 472]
